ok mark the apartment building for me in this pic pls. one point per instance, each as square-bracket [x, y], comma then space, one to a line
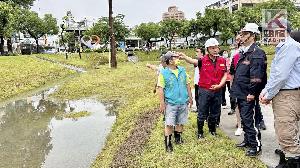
[173, 13]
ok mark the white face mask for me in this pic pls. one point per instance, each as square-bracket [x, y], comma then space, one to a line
[225, 55]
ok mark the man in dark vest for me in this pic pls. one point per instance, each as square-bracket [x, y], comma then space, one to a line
[212, 74]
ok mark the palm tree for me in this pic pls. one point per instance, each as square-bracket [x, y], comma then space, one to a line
[113, 58]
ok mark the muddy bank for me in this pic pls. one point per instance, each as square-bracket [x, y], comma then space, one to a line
[133, 146]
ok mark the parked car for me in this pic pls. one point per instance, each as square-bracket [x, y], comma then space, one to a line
[50, 51]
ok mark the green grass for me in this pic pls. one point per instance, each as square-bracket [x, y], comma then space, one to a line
[130, 87]
[211, 152]
[23, 73]
[76, 115]
[88, 60]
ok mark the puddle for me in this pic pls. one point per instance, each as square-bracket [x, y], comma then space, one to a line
[34, 133]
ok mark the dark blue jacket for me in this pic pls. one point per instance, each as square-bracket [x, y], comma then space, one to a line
[251, 73]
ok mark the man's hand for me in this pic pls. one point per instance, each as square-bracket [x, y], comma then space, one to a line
[191, 102]
[182, 56]
[162, 107]
[250, 97]
[263, 99]
[215, 87]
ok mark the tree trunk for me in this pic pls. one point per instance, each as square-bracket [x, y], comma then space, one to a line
[113, 60]
[9, 45]
[187, 42]
[1, 45]
[170, 42]
[37, 45]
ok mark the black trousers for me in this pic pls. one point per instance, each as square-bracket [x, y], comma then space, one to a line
[250, 123]
[197, 96]
[209, 106]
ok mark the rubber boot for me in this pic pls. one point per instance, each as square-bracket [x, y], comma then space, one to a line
[178, 137]
[168, 143]
[200, 125]
[293, 162]
[212, 128]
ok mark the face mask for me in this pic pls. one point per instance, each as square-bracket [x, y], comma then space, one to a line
[177, 62]
[225, 55]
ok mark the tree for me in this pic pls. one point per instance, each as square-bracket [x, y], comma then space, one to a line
[186, 30]
[37, 27]
[9, 12]
[213, 21]
[101, 29]
[68, 38]
[146, 31]
[169, 29]
[6, 22]
[22, 3]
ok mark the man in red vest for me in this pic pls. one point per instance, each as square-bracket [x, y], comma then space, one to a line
[213, 75]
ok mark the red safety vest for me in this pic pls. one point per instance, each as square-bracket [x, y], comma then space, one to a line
[236, 58]
[211, 74]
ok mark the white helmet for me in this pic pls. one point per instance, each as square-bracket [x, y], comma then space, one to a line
[251, 27]
[211, 42]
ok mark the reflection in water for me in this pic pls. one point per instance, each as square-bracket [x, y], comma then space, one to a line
[33, 132]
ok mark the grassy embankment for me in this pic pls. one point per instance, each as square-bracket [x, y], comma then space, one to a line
[88, 60]
[20, 74]
[130, 88]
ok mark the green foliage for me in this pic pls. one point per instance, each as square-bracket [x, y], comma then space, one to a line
[146, 31]
[37, 27]
[170, 28]
[213, 21]
[23, 3]
[101, 29]
[6, 18]
[21, 74]
[68, 38]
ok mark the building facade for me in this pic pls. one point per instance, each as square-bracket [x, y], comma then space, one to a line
[233, 5]
[173, 13]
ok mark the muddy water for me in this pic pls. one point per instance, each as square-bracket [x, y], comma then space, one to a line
[34, 132]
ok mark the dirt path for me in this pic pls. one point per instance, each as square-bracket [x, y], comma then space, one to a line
[133, 146]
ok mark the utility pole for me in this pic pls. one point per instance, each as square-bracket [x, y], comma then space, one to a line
[113, 57]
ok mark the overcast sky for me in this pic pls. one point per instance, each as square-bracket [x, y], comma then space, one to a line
[135, 11]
